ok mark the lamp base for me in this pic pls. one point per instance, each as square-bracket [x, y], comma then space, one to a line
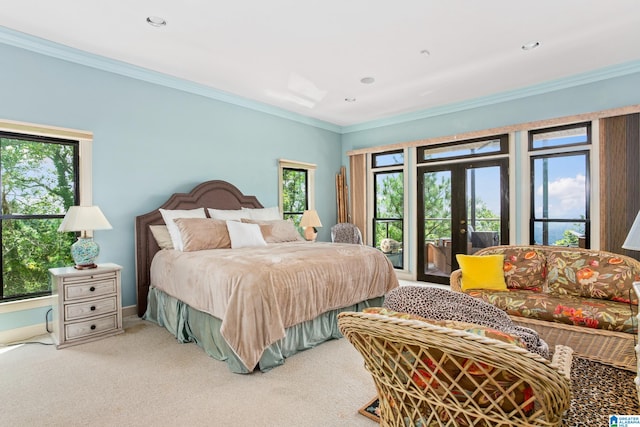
[84, 253]
[310, 234]
[85, 267]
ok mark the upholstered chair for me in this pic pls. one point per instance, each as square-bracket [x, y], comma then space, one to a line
[346, 232]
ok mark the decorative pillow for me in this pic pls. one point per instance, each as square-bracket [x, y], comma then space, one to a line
[591, 275]
[277, 231]
[203, 233]
[524, 267]
[482, 272]
[162, 236]
[245, 235]
[170, 215]
[263, 214]
[227, 214]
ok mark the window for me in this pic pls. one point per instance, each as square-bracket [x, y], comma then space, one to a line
[560, 191]
[388, 220]
[40, 180]
[296, 189]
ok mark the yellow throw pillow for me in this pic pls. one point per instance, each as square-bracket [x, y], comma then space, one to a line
[482, 272]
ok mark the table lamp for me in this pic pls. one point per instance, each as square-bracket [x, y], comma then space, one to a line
[83, 219]
[632, 242]
[309, 222]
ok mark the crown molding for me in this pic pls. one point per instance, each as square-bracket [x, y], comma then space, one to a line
[58, 51]
[538, 89]
[55, 50]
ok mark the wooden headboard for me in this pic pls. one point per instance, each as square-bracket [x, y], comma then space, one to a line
[211, 194]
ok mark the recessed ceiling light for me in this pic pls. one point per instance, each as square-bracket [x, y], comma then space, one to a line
[350, 99]
[530, 45]
[156, 21]
[367, 80]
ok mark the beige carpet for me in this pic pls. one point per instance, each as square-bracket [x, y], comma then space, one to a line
[144, 377]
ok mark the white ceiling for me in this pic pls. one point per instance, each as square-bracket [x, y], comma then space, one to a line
[307, 56]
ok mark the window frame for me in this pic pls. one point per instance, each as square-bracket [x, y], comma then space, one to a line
[392, 168]
[310, 169]
[558, 151]
[84, 188]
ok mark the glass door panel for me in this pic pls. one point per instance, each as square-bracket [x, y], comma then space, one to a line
[483, 207]
[436, 196]
[462, 207]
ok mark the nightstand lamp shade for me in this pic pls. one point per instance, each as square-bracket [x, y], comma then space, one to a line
[83, 219]
[632, 241]
[310, 220]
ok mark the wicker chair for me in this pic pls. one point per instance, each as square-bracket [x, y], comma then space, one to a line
[428, 375]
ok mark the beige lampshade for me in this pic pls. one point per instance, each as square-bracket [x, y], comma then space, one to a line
[310, 218]
[632, 242]
[82, 218]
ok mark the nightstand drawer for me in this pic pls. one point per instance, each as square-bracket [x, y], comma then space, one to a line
[90, 308]
[91, 327]
[90, 289]
[89, 277]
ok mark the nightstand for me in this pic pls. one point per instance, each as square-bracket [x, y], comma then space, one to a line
[88, 304]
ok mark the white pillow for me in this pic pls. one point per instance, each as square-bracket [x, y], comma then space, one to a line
[174, 232]
[245, 235]
[263, 214]
[228, 214]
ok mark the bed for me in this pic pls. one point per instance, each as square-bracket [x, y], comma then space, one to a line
[252, 307]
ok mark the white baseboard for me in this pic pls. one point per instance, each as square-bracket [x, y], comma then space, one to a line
[131, 310]
[22, 334]
[27, 332]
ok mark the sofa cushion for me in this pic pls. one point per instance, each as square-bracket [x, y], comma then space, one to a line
[591, 275]
[524, 266]
[568, 309]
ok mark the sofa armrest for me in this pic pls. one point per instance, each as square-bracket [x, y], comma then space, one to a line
[455, 281]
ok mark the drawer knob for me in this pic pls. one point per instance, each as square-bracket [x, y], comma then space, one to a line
[93, 308]
[93, 327]
[93, 288]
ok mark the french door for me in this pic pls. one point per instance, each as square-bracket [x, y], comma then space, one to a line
[462, 207]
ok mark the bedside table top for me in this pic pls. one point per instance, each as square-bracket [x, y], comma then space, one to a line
[72, 271]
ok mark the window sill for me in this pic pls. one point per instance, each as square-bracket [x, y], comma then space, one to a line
[26, 304]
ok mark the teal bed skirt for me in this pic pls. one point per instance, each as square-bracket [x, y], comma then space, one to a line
[190, 325]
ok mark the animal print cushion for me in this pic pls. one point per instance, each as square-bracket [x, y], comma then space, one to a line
[443, 304]
[471, 328]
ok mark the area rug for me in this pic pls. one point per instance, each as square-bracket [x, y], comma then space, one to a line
[598, 391]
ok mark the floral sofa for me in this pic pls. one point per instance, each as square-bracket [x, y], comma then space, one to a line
[576, 297]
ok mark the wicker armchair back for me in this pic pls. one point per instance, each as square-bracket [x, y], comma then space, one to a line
[427, 375]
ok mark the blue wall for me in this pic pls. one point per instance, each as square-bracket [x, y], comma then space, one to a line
[601, 95]
[151, 141]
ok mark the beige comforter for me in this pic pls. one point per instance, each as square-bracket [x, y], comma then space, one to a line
[258, 292]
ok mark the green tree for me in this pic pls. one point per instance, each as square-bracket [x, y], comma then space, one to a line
[437, 206]
[37, 181]
[294, 193]
[483, 214]
[571, 236]
[389, 206]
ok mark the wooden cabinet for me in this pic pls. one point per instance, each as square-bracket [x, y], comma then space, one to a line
[88, 304]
